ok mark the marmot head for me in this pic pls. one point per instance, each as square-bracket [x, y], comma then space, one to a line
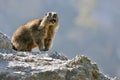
[50, 19]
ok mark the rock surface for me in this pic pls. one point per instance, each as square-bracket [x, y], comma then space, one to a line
[30, 66]
[45, 66]
[5, 43]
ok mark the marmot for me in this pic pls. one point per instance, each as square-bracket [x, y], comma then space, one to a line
[36, 33]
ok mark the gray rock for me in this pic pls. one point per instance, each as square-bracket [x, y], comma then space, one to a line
[5, 43]
[57, 55]
[29, 66]
[42, 66]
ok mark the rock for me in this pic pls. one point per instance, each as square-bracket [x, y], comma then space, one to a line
[39, 66]
[45, 66]
[57, 55]
[5, 43]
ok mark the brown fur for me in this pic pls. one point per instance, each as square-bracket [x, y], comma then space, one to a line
[37, 33]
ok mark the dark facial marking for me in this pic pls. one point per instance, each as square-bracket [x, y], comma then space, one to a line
[54, 15]
[53, 21]
[50, 14]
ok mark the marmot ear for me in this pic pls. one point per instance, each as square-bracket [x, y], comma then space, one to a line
[45, 14]
[48, 14]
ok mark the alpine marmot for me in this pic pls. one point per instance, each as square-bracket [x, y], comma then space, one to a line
[36, 33]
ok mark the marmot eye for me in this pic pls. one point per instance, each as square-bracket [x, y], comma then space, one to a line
[50, 14]
[55, 15]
